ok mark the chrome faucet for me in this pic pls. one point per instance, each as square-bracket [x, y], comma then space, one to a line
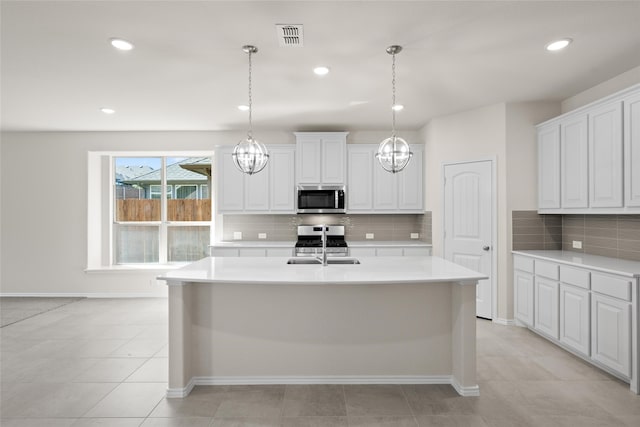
[324, 246]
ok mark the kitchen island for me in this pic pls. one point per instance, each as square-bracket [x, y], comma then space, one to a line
[262, 321]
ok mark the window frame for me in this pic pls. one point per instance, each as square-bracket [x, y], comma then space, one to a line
[101, 221]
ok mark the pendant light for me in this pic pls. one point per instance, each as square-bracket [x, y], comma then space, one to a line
[250, 156]
[394, 152]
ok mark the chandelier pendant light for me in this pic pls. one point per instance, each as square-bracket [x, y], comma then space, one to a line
[250, 156]
[394, 152]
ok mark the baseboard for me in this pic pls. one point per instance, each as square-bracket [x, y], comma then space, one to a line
[505, 322]
[465, 391]
[81, 295]
[173, 393]
[270, 380]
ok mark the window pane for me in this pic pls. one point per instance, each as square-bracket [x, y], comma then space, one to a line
[188, 243]
[137, 188]
[187, 174]
[137, 244]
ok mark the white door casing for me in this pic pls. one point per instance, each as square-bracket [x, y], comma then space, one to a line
[468, 224]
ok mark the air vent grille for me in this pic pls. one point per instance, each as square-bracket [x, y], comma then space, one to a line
[290, 35]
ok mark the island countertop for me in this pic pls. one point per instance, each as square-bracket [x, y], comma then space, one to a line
[275, 270]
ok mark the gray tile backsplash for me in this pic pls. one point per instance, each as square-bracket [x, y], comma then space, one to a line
[284, 227]
[616, 236]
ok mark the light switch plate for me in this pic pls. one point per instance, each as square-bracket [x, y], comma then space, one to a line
[368, 236]
[237, 235]
[262, 235]
[577, 244]
[415, 235]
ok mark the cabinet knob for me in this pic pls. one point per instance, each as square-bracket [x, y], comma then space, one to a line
[486, 248]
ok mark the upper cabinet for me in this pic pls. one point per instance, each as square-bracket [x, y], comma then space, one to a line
[271, 190]
[321, 158]
[588, 163]
[371, 189]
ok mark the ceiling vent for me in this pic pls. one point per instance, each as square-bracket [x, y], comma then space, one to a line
[290, 35]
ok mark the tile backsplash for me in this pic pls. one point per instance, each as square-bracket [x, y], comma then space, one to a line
[284, 227]
[616, 236]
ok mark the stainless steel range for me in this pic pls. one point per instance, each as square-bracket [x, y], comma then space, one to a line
[310, 240]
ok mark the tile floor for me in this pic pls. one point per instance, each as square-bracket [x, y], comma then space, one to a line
[101, 362]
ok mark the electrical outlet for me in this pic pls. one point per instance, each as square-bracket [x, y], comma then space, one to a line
[262, 235]
[415, 235]
[368, 236]
[237, 235]
[577, 244]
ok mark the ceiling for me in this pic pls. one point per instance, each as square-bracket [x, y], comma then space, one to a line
[188, 71]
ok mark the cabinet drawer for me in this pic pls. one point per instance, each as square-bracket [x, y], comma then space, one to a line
[356, 252]
[279, 252]
[547, 269]
[389, 251]
[417, 251]
[523, 263]
[614, 286]
[575, 276]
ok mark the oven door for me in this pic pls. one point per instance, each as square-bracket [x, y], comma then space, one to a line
[321, 200]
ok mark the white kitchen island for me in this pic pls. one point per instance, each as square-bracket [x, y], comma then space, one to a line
[262, 321]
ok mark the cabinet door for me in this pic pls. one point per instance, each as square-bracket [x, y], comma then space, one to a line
[389, 252]
[308, 158]
[280, 252]
[282, 176]
[549, 167]
[632, 151]
[360, 178]
[605, 156]
[256, 191]
[251, 252]
[523, 293]
[611, 333]
[417, 251]
[574, 318]
[230, 185]
[356, 252]
[546, 307]
[410, 183]
[574, 146]
[333, 160]
[385, 189]
[224, 252]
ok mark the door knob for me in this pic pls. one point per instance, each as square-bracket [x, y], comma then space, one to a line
[486, 248]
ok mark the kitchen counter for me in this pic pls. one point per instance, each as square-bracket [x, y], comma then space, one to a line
[594, 262]
[257, 320]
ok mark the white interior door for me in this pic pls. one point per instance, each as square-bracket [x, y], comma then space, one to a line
[468, 224]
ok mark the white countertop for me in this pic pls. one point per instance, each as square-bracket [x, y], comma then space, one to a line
[291, 244]
[275, 270]
[594, 262]
[387, 243]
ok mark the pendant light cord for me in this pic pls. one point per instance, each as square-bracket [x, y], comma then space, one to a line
[393, 95]
[250, 132]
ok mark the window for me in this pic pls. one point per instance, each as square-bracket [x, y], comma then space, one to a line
[159, 215]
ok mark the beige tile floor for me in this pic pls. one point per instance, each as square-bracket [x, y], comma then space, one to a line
[101, 362]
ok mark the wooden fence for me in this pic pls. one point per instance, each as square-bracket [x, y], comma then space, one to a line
[177, 210]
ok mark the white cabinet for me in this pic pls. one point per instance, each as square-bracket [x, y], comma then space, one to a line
[384, 250]
[321, 157]
[546, 306]
[574, 318]
[523, 296]
[271, 190]
[605, 156]
[549, 167]
[371, 189]
[574, 177]
[632, 150]
[282, 180]
[218, 251]
[611, 333]
[359, 172]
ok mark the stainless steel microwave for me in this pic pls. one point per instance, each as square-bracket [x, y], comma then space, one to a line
[321, 199]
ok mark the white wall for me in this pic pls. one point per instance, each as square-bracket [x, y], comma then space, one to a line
[603, 89]
[44, 205]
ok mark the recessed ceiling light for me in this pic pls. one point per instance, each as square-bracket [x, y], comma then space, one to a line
[558, 45]
[321, 71]
[121, 44]
[243, 107]
[397, 107]
[107, 110]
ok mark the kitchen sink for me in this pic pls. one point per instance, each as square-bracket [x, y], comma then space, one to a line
[330, 261]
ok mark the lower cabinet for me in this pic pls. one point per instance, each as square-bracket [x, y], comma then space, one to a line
[586, 311]
[546, 307]
[574, 318]
[251, 252]
[389, 251]
[611, 333]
